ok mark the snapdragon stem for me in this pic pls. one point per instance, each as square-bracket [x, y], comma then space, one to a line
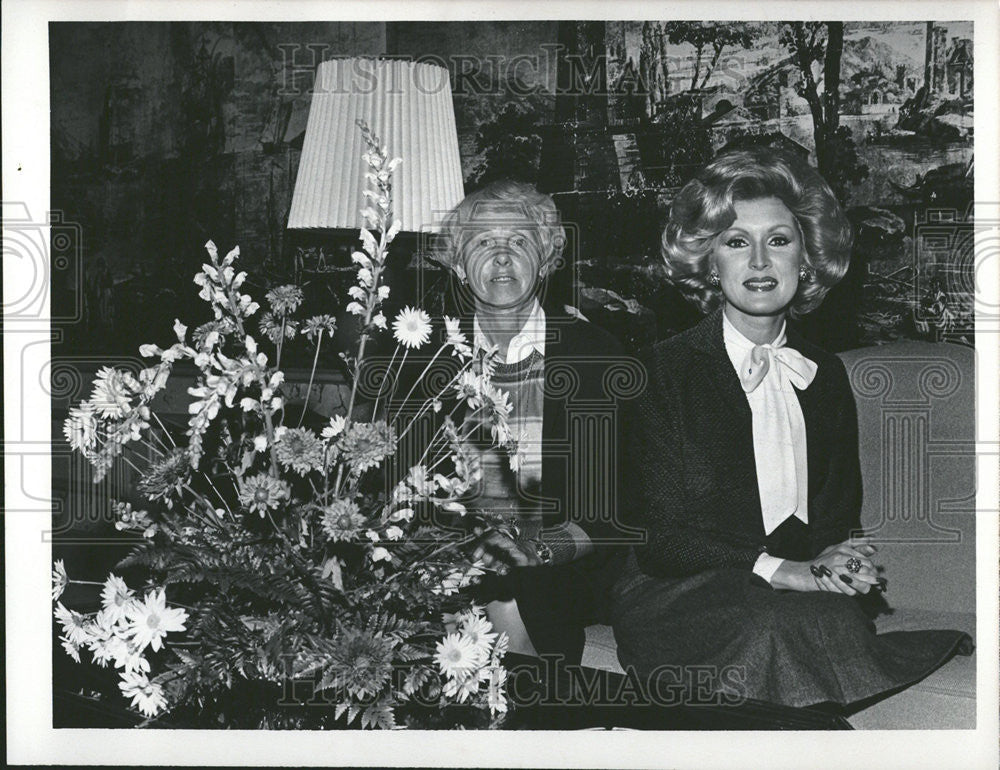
[463, 541]
[427, 404]
[305, 405]
[436, 433]
[164, 428]
[392, 360]
[217, 492]
[281, 341]
[417, 381]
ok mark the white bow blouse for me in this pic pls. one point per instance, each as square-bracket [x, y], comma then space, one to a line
[768, 374]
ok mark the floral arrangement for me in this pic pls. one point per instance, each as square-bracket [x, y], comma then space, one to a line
[276, 554]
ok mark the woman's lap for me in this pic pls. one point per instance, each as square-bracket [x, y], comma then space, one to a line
[786, 647]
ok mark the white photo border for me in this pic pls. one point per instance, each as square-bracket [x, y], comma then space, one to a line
[26, 175]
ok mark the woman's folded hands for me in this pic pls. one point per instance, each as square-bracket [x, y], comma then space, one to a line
[845, 568]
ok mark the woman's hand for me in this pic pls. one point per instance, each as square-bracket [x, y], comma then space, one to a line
[500, 552]
[830, 573]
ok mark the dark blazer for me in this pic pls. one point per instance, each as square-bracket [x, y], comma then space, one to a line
[690, 440]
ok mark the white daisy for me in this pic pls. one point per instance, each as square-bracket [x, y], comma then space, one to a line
[412, 327]
[496, 696]
[147, 696]
[150, 620]
[456, 338]
[72, 649]
[335, 428]
[101, 650]
[72, 624]
[116, 597]
[479, 631]
[500, 648]
[59, 579]
[461, 688]
[470, 387]
[127, 656]
[457, 656]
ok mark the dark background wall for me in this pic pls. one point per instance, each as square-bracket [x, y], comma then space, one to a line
[167, 134]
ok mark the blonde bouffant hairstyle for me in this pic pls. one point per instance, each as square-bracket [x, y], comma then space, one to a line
[704, 208]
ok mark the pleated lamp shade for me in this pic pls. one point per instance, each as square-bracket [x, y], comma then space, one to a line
[408, 105]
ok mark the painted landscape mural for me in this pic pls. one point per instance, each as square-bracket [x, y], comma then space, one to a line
[164, 135]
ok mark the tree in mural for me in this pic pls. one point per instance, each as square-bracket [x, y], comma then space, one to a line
[709, 39]
[817, 48]
[653, 68]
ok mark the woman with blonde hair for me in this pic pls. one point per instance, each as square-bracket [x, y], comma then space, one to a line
[745, 455]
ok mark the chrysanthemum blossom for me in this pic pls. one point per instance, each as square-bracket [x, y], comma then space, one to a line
[273, 328]
[360, 662]
[80, 428]
[284, 299]
[341, 520]
[319, 324]
[128, 656]
[262, 493]
[412, 327]
[113, 391]
[365, 445]
[167, 476]
[151, 620]
[461, 688]
[300, 450]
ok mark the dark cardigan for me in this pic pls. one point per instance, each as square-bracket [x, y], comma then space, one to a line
[691, 456]
[588, 378]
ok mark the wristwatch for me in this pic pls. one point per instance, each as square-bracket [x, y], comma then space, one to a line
[543, 551]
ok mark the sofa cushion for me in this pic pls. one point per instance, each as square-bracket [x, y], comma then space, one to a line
[916, 435]
[600, 650]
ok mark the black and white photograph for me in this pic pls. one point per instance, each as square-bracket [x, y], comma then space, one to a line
[613, 377]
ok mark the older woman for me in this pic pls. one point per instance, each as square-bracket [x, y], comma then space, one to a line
[553, 558]
[746, 460]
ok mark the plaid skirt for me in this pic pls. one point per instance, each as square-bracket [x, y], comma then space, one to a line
[786, 647]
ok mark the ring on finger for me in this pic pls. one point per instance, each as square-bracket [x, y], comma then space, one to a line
[853, 565]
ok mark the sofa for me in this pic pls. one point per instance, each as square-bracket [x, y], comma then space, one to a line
[916, 421]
